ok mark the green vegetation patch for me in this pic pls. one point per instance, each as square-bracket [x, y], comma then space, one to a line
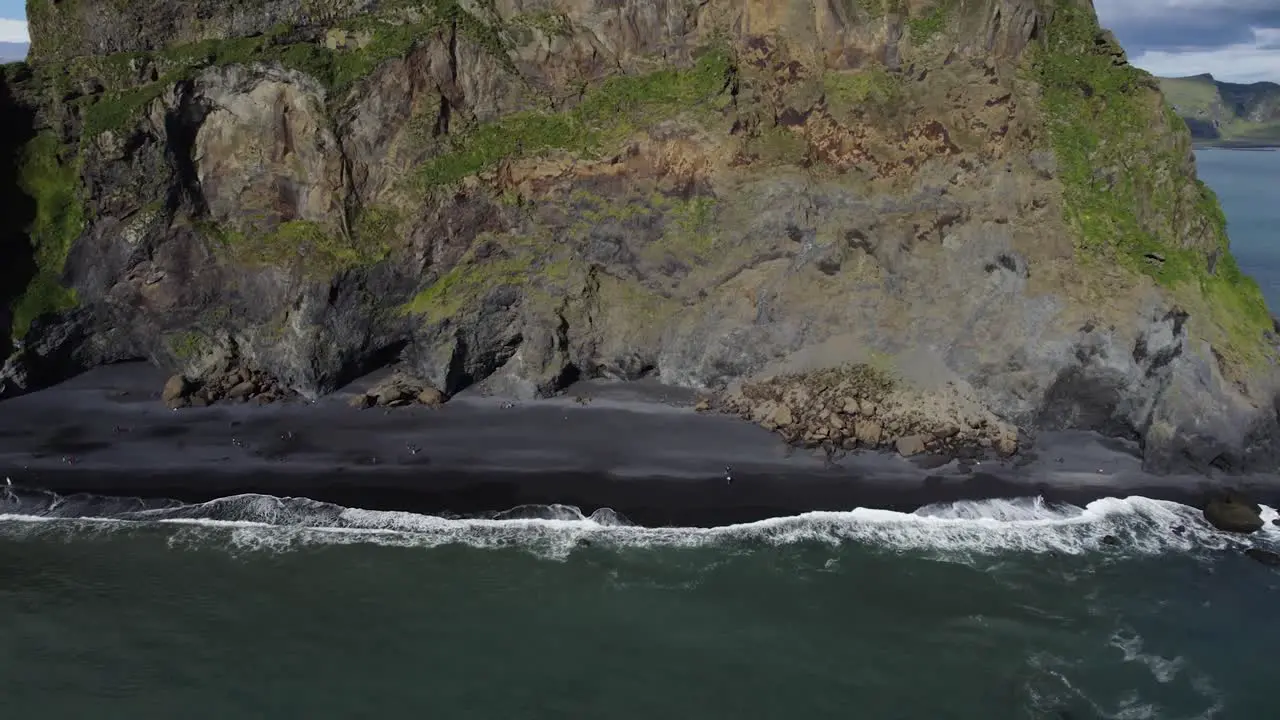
[926, 27]
[53, 183]
[188, 345]
[607, 114]
[688, 225]
[509, 260]
[1125, 187]
[850, 90]
[317, 251]
[1191, 95]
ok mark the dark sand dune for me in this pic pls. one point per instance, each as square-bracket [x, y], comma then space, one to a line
[638, 448]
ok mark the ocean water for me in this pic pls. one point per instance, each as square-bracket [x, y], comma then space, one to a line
[1248, 185]
[262, 607]
[258, 607]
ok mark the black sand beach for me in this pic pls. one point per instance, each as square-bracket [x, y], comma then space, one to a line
[637, 448]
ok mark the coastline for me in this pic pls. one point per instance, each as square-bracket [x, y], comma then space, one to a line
[637, 448]
[1230, 145]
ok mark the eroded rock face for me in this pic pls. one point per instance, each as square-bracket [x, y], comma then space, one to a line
[527, 193]
[264, 154]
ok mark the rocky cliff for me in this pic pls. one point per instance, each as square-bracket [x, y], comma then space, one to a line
[1226, 113]
[976, 196]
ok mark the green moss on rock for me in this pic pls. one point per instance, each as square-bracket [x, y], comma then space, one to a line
[928, 25]
[53, 182]
[607, 114]
[849, 90]
[304, 244]
[466, 284]
[1123, 163]
[188, 345]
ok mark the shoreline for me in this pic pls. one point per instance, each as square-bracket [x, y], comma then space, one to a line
[636, 448]
[1266, 147]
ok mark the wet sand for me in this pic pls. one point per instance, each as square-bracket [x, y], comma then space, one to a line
[638, 448]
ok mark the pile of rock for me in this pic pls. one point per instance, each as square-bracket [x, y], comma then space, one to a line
[229, 384]
[400, 390]
[860, 407]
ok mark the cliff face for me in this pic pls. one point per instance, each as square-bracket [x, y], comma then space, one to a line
[974, 193]
[1226, 113]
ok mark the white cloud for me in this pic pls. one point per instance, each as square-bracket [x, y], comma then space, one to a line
[1236, 40]
[1241, 63]
[13, 30]
[1120, 9]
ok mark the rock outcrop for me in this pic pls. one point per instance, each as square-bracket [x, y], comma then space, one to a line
[1233, 512]
[981, 196]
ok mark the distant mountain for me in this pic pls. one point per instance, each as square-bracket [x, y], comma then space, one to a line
[13, 52]
[1224, 113]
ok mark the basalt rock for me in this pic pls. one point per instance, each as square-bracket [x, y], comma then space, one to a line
[1233, 512]
[982, 197]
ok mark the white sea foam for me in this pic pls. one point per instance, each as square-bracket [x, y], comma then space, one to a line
[1164, 670]
[1133, 525]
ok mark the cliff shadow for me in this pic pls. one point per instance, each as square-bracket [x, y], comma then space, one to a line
[17, 257]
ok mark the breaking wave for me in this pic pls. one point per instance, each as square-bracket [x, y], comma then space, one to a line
[1133, 525]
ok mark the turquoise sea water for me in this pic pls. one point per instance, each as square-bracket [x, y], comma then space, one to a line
[1248, 185]
[257, 607]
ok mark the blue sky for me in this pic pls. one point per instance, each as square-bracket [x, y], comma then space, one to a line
[1236, 40]
[12, 10]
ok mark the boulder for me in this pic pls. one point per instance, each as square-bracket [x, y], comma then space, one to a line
[1232, 512]
[868, 432]
[175, 391]
[431, 397]
[910, 445]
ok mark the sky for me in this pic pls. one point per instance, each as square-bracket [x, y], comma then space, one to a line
[1235, 40]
